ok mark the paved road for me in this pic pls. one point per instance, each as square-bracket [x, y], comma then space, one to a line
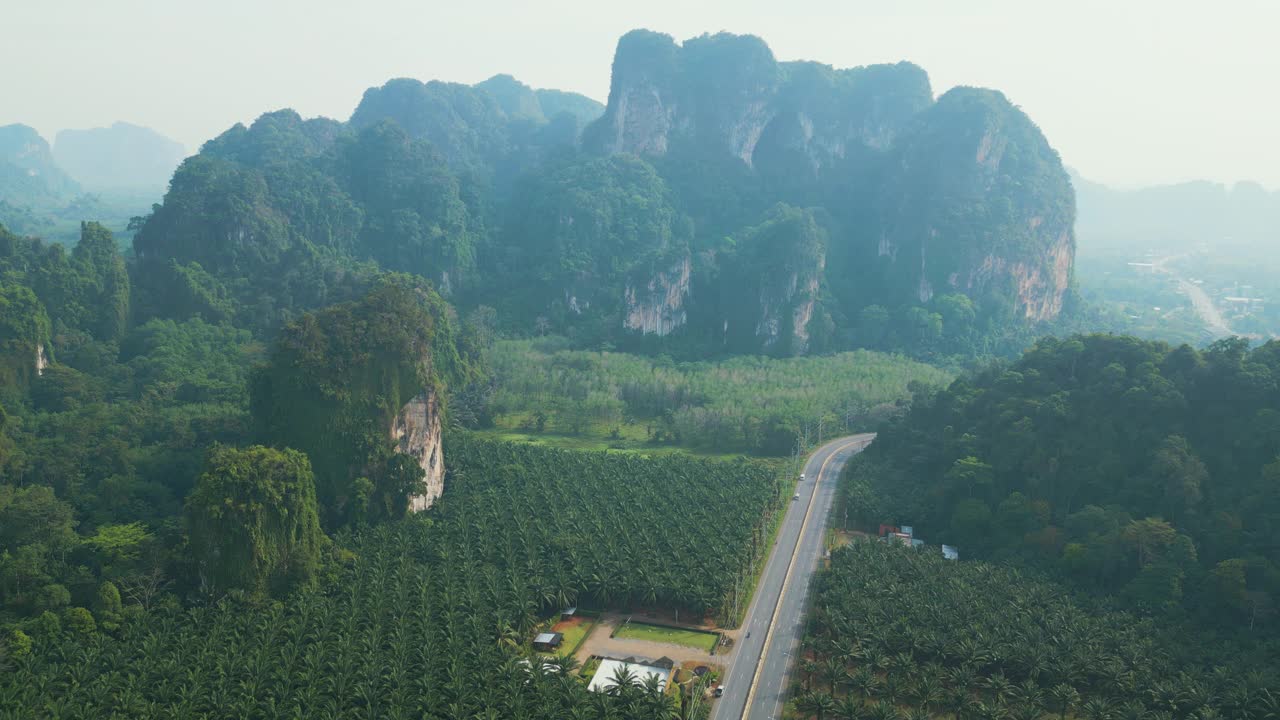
[786, 575]
[1200, 300]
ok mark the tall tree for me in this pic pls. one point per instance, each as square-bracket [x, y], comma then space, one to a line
[254, 522]
[106, 281]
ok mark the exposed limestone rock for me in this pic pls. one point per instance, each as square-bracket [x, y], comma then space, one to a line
[977, 229]
[925, 290]
[745, 133]
[42, 360]
[800, 317]
[657, 308]
[1041, 288]
[416, 431]
[663, 92]
[1040, 284]
[640, 123]
[642, 107]
[793, 301]
[990, 150]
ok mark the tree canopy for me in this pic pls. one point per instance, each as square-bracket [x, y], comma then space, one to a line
[254, 521]
[1127, 466]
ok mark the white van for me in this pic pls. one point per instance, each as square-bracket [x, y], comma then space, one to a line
[796, 496]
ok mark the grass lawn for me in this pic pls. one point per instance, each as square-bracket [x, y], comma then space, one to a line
[574, 630]
[654, 633]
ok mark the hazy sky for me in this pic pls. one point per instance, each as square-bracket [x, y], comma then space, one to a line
[1129, 91]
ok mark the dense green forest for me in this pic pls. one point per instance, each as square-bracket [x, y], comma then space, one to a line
[755, 405]
[170, 485]
[897, 633]
[1144, 475]
[112, 421]
[105, 426]
[409, 616]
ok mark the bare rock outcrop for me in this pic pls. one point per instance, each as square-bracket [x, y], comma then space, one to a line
[658, 306]
[417, 432]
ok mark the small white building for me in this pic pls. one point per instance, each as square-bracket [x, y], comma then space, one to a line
[603, 679]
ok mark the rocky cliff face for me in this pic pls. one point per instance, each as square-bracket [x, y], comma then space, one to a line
[1039, 283]
[785, 310]
[771, 283]
[416, 431]
[729, 92]
[657, 307]
[961, 195]
[642, 103]
[975, 201]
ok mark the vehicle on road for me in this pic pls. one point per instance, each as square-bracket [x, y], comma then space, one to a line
[719, 691]
[756, 686]
[802, 477]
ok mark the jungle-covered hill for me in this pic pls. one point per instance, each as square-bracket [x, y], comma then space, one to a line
[722, 202]
[1126, 467]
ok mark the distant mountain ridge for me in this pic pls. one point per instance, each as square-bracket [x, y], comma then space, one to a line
[28, 173]
[1244, 216]
[107, 175]
[122, 156]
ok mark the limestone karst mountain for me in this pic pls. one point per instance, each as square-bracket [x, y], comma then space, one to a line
[722, 201]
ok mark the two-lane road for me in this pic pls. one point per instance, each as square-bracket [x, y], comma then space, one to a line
[755, 681]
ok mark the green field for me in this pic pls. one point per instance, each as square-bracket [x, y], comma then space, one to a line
[574, 631]
[579, 399]
[631, 440]
[656, 633]
[573, 636]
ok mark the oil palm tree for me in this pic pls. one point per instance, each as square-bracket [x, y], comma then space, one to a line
[1098, 708]
[999, 686]
[1063, 698]
[848, 708]
[832, 671]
